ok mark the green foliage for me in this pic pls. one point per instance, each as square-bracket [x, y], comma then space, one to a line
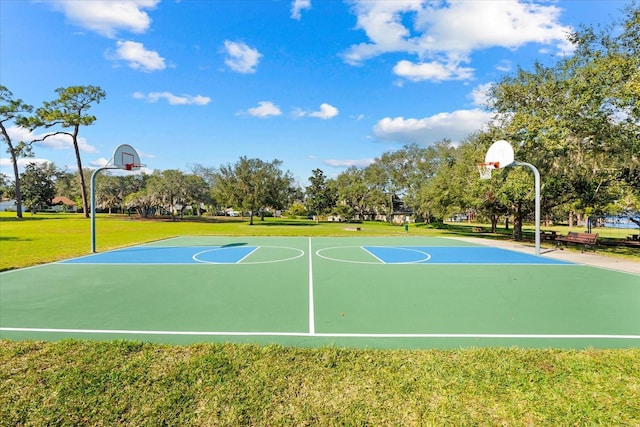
[356, 195]
[13, 111]
[578, 120]
[297, 209]
[320, 196]
[69, 111]
[252, 185]
[38, 187]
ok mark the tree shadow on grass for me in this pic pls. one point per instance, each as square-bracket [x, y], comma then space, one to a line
[13, 239]
[286, 223]
[24, 218]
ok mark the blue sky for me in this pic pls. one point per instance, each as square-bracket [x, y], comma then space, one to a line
[315, 83]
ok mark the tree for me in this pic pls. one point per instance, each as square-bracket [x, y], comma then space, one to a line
[278, 186]
[578, 120]
[70, 111]
[208, 175]
[319, 197]
[249, 185]
[4, 184]
[38, 185]
[12, 110]
[354, 193]
[67, 185]
[197, 192]
[170, 190]
[109, 191]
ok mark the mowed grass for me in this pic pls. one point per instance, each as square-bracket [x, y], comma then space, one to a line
[132, 383]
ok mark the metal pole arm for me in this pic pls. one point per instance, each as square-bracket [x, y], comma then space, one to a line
[93, 205]
[537, 188]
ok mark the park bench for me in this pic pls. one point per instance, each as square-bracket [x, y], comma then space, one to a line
[584, 239]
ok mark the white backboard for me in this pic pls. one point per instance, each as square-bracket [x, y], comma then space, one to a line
[126, 157]
[500, 154]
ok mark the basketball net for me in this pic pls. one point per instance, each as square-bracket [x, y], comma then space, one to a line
[485, 169]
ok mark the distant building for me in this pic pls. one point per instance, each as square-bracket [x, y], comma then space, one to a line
[63, 204]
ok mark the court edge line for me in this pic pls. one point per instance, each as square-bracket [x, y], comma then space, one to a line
[322, 335]
[312, 315]
[247, 255]
[372, 254]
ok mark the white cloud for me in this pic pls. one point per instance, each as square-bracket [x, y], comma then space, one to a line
[264, 109]
[5, 162]
[465, 26]
[480, 95]
[434, 71]
[504, 66]
[443, 34]
[382, 23]
[297, 6]
[107, 17]
[454, 126]
[173, 99]
[99, 162]
[138, 57]
[327, 111]
[346, 163]
[241, 57]
[56, 142]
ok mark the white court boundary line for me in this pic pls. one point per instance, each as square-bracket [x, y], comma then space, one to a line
[379, 261]
[322, 335]
[312, 314]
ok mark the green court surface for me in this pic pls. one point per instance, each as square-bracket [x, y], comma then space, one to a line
[395, 292]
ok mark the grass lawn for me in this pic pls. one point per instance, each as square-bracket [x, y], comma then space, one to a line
[133, 383]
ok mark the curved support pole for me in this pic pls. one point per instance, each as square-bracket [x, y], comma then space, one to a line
[93, 205]
[537, 188]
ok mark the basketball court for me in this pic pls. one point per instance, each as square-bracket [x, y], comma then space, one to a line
[384, 292]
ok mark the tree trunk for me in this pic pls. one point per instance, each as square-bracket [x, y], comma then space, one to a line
[83, 185]
[517, 223]
[494, 223]
[16, 175]
[17, 181]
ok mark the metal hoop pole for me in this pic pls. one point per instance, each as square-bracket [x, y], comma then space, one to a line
[93, 205]
[537, 189]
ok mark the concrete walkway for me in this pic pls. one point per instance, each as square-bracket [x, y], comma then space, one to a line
[586, 258]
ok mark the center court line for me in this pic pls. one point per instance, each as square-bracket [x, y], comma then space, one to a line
[323, 335]
[312, 324]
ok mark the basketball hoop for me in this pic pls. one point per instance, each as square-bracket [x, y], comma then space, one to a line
[132, 166]
[126, 157]
[485, 169]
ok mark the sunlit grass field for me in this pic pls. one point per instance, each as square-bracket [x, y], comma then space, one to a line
[133, 383]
